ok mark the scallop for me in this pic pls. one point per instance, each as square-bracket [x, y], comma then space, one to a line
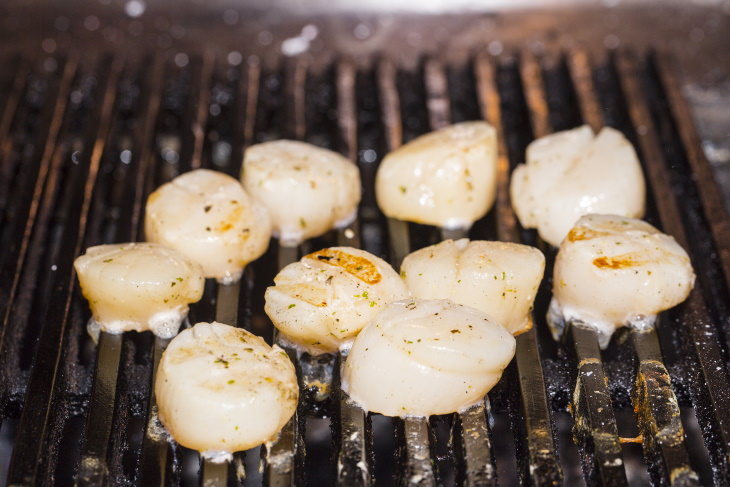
[446, 178]
[138, 286]
[611, 271]
[424, 357]
[573, 173]
[321, 302]
[499, 278]
[221, 389]
[307, 190]
[207, 216]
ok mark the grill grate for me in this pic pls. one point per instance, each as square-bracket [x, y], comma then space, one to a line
[84, 140]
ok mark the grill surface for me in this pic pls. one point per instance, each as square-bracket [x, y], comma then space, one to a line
[84, 139]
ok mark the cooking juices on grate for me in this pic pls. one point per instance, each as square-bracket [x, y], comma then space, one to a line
[85, 140]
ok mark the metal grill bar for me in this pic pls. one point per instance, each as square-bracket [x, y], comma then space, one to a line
[474, 447]
[710, 196]
[33, 422]
[9, 109]
[17, 237]
[489, 104]
[654, 400]
[201, 113]
[196, 112]
[660, 412]
[145, 136]
[418, 468]
[93, 469]
[582, 75]
[153, 469]
[226, 305]
[595, 423]
[543, 467]
[708, 398]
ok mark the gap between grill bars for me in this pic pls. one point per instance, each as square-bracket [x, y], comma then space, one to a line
[103, 132]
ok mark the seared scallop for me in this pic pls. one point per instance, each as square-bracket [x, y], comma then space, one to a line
[499, 278]
[138, 286]
[445, 178]
[612, 271]
[573, 173]
[221, 389]
[307, 190]
[207, 216]
[326, 298]
[424, 357]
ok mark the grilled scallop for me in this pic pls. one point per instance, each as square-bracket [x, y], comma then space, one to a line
[446, 178]
[326, 298]
[306, 190]
[222, 389]
[138, 286]
[498, 278]
[611, 271]
[207, 216]
[573, 173]
[424, 357]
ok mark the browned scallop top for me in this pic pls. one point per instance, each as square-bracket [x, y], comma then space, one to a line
[359, 267]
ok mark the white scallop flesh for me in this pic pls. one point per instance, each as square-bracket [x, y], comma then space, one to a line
[445, 178]
[612, 271]
[307, 190]
[138, 286]
[208, 217]
[424, 357]
[499, 278]
[321, 302]
[221, 389]
[573, 173]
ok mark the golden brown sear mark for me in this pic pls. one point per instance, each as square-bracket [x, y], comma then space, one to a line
[583, 233]
[618, 262]
[359, 267]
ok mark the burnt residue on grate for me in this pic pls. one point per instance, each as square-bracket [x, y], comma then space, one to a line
[84, 140]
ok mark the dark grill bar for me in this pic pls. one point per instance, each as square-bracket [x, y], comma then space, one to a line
[85, 140]
[654, 400]
[542, 466]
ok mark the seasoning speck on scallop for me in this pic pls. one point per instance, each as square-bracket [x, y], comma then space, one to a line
[573, 173]
[499, 278]
[221, 389]
[611, 271]
[138, 286]
[445, 178]
[326, 298]
[307, 190]
[424, 357]
[207, 216]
